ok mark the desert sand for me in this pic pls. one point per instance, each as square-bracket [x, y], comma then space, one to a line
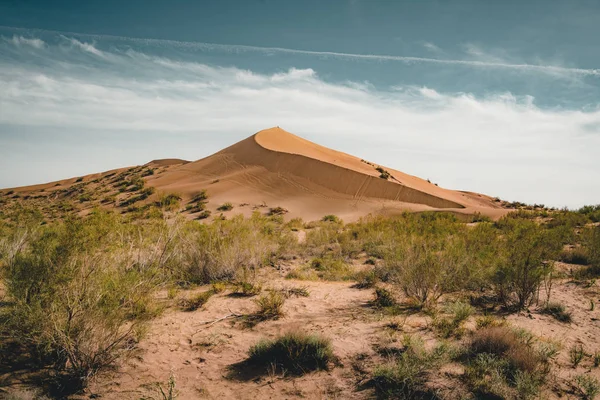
[274, 168]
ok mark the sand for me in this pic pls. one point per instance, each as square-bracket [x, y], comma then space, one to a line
[274, 168]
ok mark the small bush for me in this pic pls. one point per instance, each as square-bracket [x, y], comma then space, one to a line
[219, 287]
[331, 218]
[383, 298]
[204, 214]
[295, 352]
[169, 201]
[577, 255]
[270, 305]
[201, 196]
[225, 207]
[196, 301]
[406, 376]
[576, 355]
[366, 279]
[558, 311]
[588, 386]
[277, 211]
[460, 312]
[247, 288]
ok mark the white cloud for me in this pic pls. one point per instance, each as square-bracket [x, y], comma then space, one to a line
[432, 47]
[500, 145]
[23, 41]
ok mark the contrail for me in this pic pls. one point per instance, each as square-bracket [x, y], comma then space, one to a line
[552, 69]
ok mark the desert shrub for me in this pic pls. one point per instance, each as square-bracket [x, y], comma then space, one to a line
[459, 313]
[383, 298]
[277, 211]
[231, 249]
[246, 288]
[270, 305]
[502, 360]
[366, 279]
[406, 375]
[588, 386]
[524, 262]
[203, 215]
[288, 292]
[330, 269]
[558, 311]
[219, 287]
[591, 242]
[294, 352]
[577, 255]
[169, 201]
[331, 218]
[487, 321]
[576, 355]
[196, 301]
[201, 196]
[225, 207]
[78, 298]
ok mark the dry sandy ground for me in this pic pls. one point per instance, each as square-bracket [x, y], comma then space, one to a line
[201, 355]
[275, 168]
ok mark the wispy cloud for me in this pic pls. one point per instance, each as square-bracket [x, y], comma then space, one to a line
[23, 41]
[499, 144]
[555, 70]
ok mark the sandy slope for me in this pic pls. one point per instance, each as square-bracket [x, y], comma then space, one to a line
[275, 168]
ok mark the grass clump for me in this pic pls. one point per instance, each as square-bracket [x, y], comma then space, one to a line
[196, 301]
[384, 298]
[225, 207]
[503, 360]
[406, 375]
[270, 305]
[449, 326]
[587, 386]
[558, 311]
[331, 218]
[277, 211]
[295, 352]
[248, 289]
[576, 355]
[169, 201]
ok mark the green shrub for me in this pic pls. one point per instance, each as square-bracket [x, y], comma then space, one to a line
[245, 288]
[576, 355]
[366, 279]
[524, 263]
[558, 311]
[295, 352]
[406, 376]
[588, 386]
[270, 305]
[169, 201]
[225, 207]
[78, 302]
[331, 218]
[383, 298]
[197, 301]
[277, 211]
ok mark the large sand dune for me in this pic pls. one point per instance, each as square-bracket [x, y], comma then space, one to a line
[275, 168]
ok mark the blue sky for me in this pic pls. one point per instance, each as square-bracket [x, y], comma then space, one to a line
[495, 97]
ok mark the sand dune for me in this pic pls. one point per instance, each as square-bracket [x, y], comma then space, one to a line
[277, 168]
[274, 168]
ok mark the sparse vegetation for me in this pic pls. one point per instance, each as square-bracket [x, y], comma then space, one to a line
[225, 207]
[295, 352]
[558, 311]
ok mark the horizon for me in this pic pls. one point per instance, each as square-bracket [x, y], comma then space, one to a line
[506, 106]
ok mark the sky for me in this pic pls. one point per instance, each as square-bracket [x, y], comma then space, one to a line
[501, 98]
